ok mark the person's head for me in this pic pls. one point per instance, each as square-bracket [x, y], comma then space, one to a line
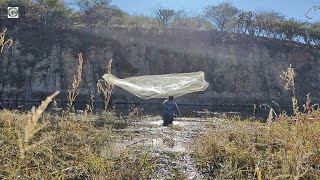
[170, 97]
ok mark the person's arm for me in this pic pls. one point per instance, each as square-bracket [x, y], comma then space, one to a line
[164, 102]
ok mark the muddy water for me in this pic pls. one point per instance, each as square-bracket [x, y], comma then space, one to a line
[170, 147]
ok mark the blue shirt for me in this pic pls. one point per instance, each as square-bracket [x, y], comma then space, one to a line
[169, 106]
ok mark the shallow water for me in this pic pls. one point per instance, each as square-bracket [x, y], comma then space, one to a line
[170, 147]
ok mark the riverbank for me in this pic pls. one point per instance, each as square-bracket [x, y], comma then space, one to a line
[106, 146]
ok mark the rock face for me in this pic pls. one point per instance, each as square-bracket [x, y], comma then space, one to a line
[240, 70]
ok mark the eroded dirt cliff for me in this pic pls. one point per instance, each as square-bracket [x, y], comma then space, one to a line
[240, 70]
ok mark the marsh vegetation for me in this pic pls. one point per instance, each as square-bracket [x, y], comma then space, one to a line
[55, 144]
[52, 142]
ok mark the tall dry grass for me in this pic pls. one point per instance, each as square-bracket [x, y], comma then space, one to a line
[135, 113]
[37, 145]
[105, 88]
[33, 126]
[3, 42]
[33, 147]
[289, 76]
[73, 90]
[89, 106]
[286, 147]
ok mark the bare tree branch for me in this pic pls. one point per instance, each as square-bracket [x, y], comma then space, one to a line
[314, 8]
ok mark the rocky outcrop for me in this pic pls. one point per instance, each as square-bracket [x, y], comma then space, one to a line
[240, 70]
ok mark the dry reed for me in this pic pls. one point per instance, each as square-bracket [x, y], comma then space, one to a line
[2, 40]
[32, 127]
[280, 149]
[73, 150]
[89, 106]
[136, 113]
[307, 106]
[105, 88]
[73, 91]
[254, 110]
[289, 76]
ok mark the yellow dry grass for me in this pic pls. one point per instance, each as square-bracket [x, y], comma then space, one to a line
[287, 147]
[73, 90]
[33, 126]
[69, 149]
[135, 113]
[38, 145]
[2, 40]
[289, 76]
[89, 106]
[105, 88]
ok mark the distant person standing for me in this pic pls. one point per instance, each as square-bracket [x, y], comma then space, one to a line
[169, 106]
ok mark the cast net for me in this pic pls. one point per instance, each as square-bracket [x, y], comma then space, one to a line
[160, 86]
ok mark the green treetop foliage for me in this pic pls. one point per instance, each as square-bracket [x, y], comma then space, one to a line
[266, 22]
[245, 22]
[315, 33]
[183, 20]
[222, 15]
[292, 28]
[85, 5]
[179, 19]
[139, 22]
[97, 12]
[53, 13]
[198, 23]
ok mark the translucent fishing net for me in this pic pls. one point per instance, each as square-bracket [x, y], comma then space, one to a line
[161, 86]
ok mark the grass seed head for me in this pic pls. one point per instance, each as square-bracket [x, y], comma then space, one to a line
[32, 126]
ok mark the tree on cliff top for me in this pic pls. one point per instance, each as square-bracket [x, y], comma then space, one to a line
[96, 12]
[52, 13]
[245, 22]
[222, 15]
[266, 22]
[164, 17]
[184, 20]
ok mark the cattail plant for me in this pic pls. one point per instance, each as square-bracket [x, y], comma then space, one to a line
[32, 127]
[105, 88]
[2, 40]
[73, 91]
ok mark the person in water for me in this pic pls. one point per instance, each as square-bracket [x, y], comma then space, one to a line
[169, 106]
